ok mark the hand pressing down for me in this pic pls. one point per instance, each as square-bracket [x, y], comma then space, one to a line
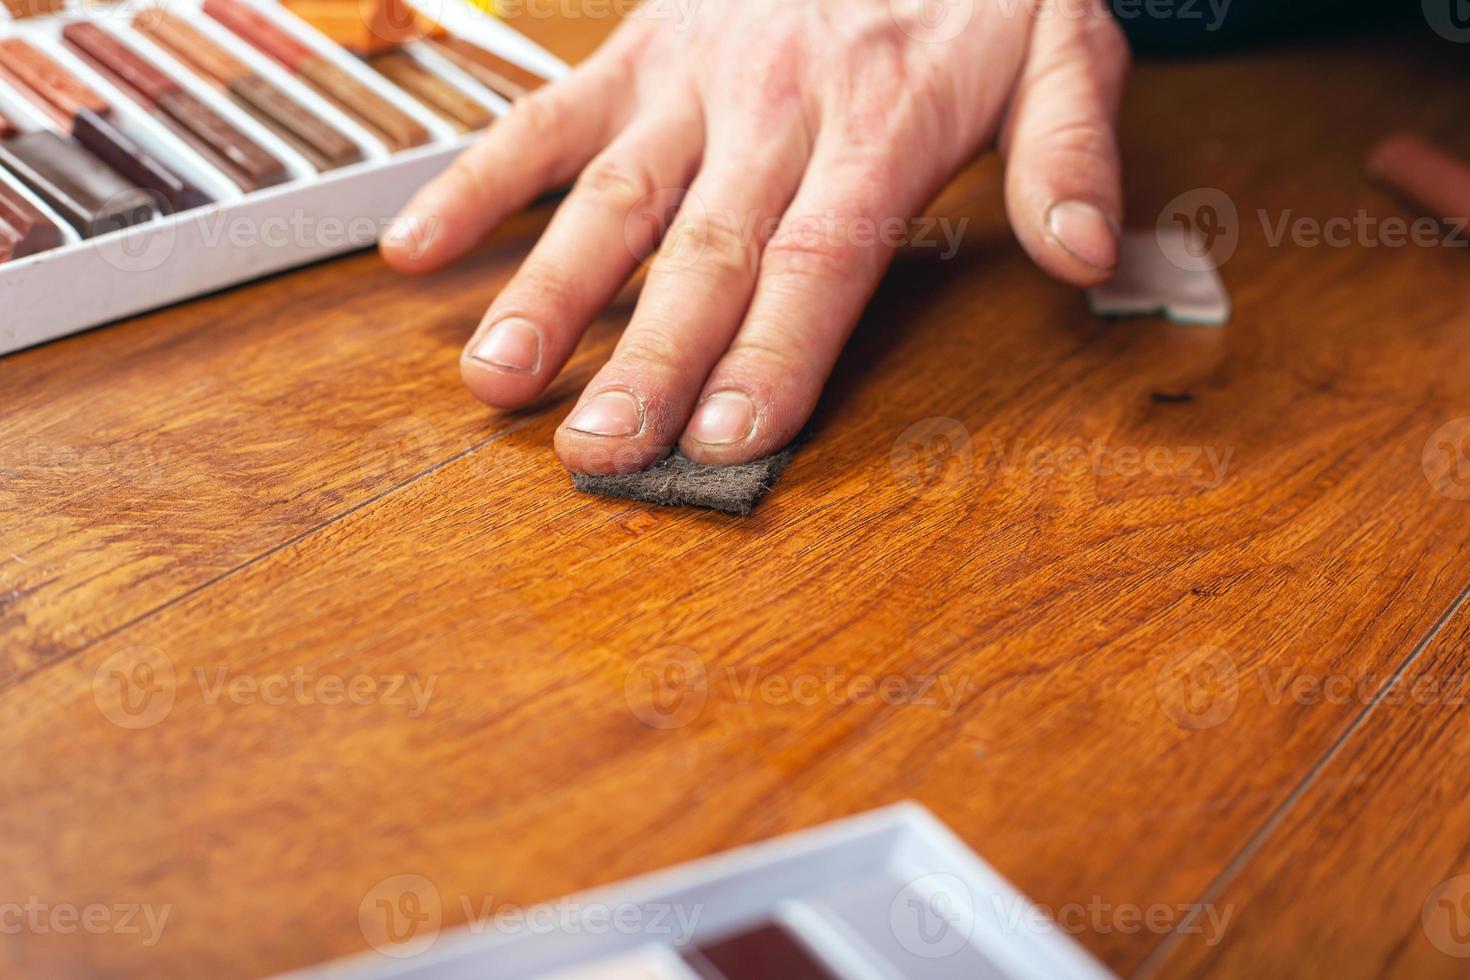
[747, 143]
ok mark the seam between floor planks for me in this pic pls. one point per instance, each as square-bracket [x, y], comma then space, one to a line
[1158, 957]
[16, 680]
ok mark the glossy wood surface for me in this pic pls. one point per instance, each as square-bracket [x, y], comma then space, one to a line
[1043, 573]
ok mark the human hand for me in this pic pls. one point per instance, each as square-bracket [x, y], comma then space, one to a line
[787, 121]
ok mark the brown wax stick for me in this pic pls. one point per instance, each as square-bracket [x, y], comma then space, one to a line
[21, 9]
[503, 77]
[90, 195]
[307, 133]
[146, 83]
[120, 153]
[34, 232]
[33, 70]
[448, 102]
[10, 242]
[323, 145]
[85, 114]
[191, 45]
[394, 127]
[241, 159]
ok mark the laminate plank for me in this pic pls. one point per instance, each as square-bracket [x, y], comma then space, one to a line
[1051, 616]
[1368, 875]
[144, 460]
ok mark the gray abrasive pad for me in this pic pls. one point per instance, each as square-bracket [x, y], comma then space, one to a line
[678, 481]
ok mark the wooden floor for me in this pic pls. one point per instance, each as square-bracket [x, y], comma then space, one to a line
[1216, 659]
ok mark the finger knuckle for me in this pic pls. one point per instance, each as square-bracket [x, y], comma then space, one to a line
[714, 244]
[1087, 139]
[653, 351]
[546, 286]
[536, 116]
[803, 252]
[764, 364]
[472, 177]
[615, 182]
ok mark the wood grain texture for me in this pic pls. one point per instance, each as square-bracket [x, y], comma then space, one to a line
[1238, 501]
[1378, 839]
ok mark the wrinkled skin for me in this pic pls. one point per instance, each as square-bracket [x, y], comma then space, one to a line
[797, 128]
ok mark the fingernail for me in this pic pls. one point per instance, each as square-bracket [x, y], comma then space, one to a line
[512, 345]
[725, 417]
[611, 413]
[1084, 231]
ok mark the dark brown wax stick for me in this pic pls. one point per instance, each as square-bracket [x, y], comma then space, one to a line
[90, 195]
[85, 114]
[34, 231]
[112, 146]
[242, 159]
